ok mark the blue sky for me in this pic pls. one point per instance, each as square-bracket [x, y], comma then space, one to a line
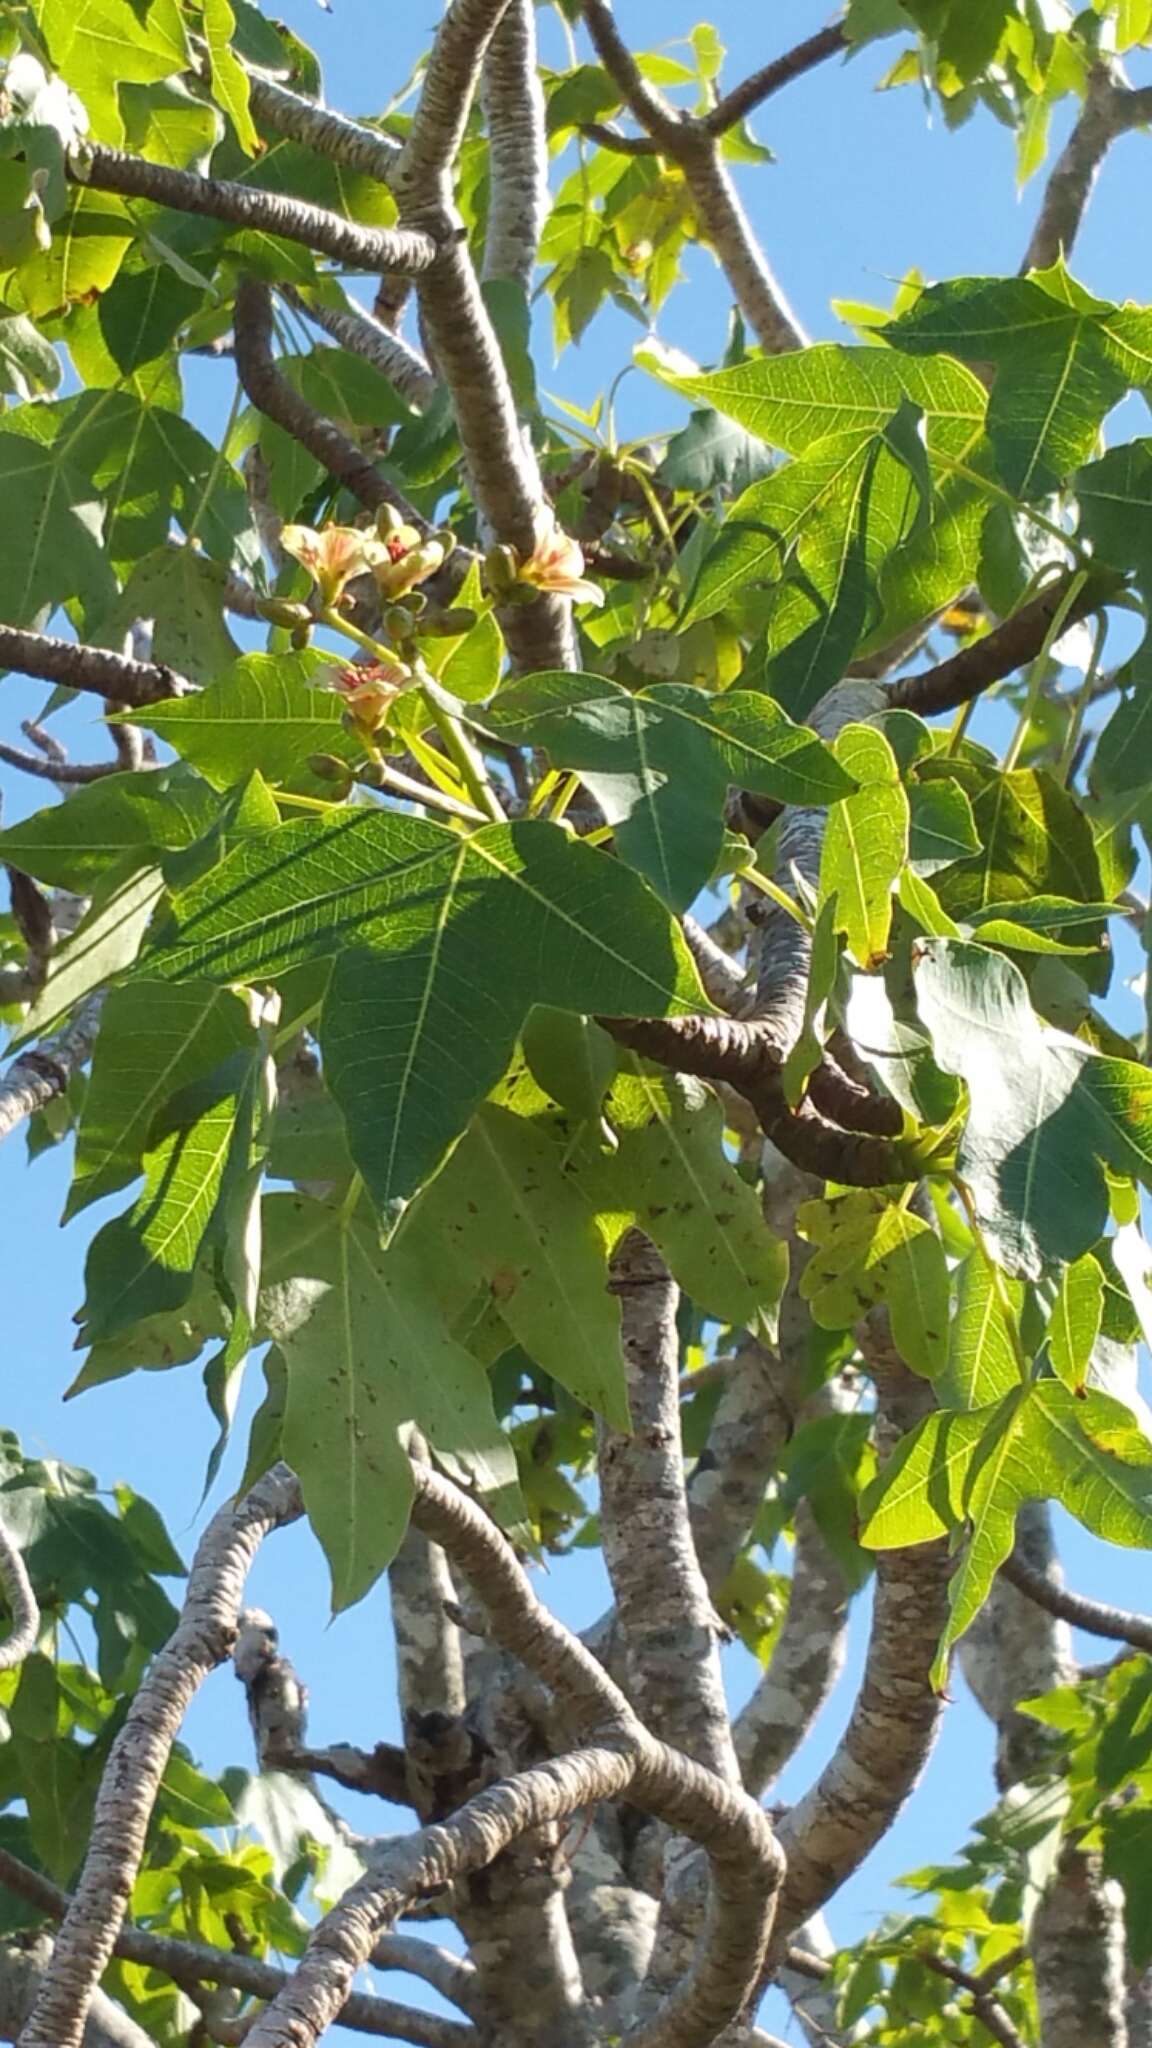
[864, 187]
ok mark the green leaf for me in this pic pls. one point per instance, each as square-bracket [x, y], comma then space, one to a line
[52, 548]
[229, 78]
[156, 1343]
[89, 242]
[507, 1219]
[866, 842]
[263, 712]
[971, 36]
[941, 827]
[712, 453]
[1045, 1111]
[660, 763]
[441, 946]
[142, 1263]
[1034, 840]
[104, 943]
[1039, 1442]
[868, 1251]
[984, 1358]
[673, 1178]
[155, 1038]
[121, 821]
[1063, 360]
[168, 124]
[571, 1058]
[367, 1351]
[143, 312]
[183, 592]
[106, 43]
[1076, 1318]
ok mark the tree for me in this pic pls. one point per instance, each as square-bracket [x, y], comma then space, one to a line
[603, 1007]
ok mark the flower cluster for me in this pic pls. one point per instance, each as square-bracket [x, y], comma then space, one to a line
[397, 556]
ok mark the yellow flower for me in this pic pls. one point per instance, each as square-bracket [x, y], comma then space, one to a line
[370, 689]
[403, 560]
[557, 564]
[334, 556]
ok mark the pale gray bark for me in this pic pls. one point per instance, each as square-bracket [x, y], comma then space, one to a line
[321, 128]
[1014, 1650]
[513, 101]
[21, 1976]
[1077, 1946]
[22, 1605]
[364, 335]
[663, 1609]
[807, 1659]
[201, 1641]
[1110, 109]
[38, 1076]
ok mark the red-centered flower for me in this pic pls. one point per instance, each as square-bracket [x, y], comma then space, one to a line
[403, 560]
[370, 689]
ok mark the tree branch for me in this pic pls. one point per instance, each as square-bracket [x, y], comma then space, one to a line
[189, 1962]
[363, 335]
[21, 1975]
[663, 1610]
[95, 669]
[894, 1720]
[985, 2005]
[37, 1076]
[466, 355]
[22, 1603]
[513, 101]
[744, 1859]
[250, 206]
[806, 1661]
[271, 394]
[691, 144]
[62, 773]
[202, 1640]
[330, 134]
[1109, 110]
[1002, 651]
[743, 99]
[1095, 1617]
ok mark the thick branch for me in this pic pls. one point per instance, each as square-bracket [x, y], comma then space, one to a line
[1095, 1617]
[1076, 1942]
[135, 683]
[666, 1618]
[21, 1975]
[271, 394]
[202, 1640]
[513, 101]
[466, 355]
[807, 1659]
[1002, 651]
[744, 1859]
[249, 206]
[896, 1713]
[320, 128]
[22, 1605]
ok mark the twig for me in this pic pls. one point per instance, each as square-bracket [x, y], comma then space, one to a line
[21, 1600]
[986, 2007]
[1095, 1617]
[271, 394]
[736, 105]
[188, 1963]
[38, 1076]
[60, 772]
[202, 1640]
[97, 669]
[692, 145]
[249, 206]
